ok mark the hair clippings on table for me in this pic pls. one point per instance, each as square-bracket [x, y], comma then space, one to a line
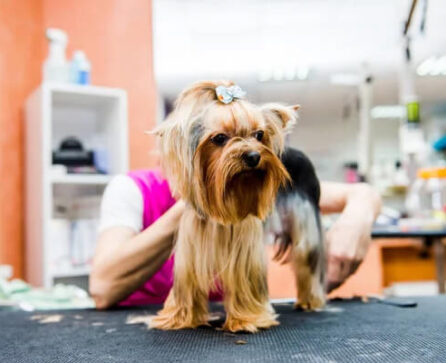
[228, 94]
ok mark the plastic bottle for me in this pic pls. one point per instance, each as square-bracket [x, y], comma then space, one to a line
[427, 196]
[418, 201]
[437, 188]
[80, 68]
[56, 68]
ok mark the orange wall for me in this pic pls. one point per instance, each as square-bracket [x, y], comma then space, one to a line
[117, 38]
[21, 46]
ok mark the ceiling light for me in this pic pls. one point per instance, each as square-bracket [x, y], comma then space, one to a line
[345, 79]
[388, 111]
[432, 66]
[284, 73]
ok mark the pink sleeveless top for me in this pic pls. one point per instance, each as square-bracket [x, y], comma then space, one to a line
[157, 199]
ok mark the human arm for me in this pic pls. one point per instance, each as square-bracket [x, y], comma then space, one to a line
[125, 259]
[126, 254]
[349, 237]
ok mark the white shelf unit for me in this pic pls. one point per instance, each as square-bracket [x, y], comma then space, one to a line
[81, 179]
[98, 117]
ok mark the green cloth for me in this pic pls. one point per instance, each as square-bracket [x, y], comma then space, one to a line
[18, 294]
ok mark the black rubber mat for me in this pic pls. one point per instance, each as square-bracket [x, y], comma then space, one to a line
[347, 332]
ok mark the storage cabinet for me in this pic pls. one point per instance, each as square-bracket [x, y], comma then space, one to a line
[62, 209]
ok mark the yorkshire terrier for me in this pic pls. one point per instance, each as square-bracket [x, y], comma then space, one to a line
[226, 158]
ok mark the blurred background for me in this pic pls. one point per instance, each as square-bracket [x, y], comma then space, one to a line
[82, 80]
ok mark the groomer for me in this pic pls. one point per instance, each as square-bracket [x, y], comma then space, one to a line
[133, 264]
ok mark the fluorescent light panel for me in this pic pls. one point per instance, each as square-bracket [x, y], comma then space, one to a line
[286, 73]
[388, 111]
[432, 66]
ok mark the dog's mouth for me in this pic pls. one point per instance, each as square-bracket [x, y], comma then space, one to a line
[251, 173]
[244, 191]
[251, 178]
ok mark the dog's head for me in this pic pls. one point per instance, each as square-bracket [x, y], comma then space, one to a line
[223, 158]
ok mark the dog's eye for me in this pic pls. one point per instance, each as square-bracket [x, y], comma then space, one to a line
[258, 135]
[220, 139]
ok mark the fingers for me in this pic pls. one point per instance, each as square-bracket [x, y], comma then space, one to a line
[339, 269]
[332, 285]
[354, 264]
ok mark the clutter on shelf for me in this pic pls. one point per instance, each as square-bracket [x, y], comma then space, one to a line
[73, 244]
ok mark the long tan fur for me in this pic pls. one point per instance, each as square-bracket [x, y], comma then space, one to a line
[219, 241]
[208, 254]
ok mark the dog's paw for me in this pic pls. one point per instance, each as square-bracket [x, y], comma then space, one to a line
[238, 325]
[252, 326]
[311, 302]
[165, 321]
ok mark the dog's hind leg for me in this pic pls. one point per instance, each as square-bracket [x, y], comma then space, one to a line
[308, 257]
[303, 239]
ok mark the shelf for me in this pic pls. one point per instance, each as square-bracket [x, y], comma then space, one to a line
[82, 95]
[98, 117]
[73, 272]
[84, 179]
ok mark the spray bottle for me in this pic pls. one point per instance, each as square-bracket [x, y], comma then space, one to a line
[56, 68]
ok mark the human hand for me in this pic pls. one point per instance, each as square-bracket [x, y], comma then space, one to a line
[347, 243]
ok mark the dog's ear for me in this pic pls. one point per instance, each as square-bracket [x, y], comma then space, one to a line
[280, 120]
[173, 152]
[155, 132]
[159, 130]
[284, 117]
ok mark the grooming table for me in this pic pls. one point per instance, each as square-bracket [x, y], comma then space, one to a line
[348, 331]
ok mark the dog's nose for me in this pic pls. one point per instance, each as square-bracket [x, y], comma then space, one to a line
[251, 158]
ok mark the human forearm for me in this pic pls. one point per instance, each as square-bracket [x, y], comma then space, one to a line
[109, 290]
[140, 250]
[335, 197]
[124, 262]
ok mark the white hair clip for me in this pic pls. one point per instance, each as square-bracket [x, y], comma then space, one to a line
[227, 94]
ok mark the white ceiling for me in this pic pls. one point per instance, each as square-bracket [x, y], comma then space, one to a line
[211, 39]
[237, 40]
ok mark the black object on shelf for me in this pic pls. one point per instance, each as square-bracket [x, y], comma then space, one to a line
[71, 153]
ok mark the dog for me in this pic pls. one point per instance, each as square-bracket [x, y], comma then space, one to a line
[226, 158]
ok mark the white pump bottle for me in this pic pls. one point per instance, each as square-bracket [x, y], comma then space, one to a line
[56, 68]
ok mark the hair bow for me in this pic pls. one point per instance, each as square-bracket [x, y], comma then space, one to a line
[227, 94]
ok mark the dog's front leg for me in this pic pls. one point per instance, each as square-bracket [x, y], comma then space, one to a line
[187, 303]
[245, 312]
[183, 309]
[245, 286]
